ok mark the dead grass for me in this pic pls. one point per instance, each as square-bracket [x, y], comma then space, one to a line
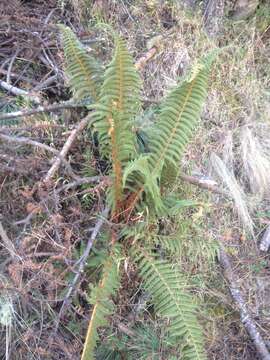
[235, 127]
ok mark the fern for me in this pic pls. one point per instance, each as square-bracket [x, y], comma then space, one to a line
[165, 285]
[147, 341]
[179, 115]
[83, 71]
[140, 168]
[115, 113]
[174, 128]
[103, 307]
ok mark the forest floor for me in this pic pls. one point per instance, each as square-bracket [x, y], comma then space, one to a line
[44, 226]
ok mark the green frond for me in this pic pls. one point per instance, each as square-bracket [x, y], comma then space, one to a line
[101, 299]
[115, 113]
[170, 243]
[179, 115]
[166, 286]
[138, 173]
[83, 71]
[175, 206]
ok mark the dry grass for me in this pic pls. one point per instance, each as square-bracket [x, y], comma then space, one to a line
[228, 178]
[256, 160]
[235, 126]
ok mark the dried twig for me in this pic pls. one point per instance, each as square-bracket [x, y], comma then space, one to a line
[82, 181]
[11, 64]
[204, 184]
[41, 109]
[82, 261]
[45, 84]
[18, 92]
[213, 16]
[27, 141]
[72, 137]
[14, 170]
[246, 318]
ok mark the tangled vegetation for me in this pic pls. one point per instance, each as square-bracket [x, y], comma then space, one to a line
[108, 250]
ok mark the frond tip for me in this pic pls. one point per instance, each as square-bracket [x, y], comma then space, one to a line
[84, 72]
[179, 115]
[165, 284]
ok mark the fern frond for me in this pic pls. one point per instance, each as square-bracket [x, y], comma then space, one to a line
[139, 173]
[103, 306]
[165, 284]
[83, 70]
[115, 113]
[175, 206]
[170, 243]
[179, 115]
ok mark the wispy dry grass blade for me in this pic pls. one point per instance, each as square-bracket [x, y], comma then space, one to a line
[228, 179]
[256, 165]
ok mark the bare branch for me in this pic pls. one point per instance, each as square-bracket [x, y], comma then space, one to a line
[72, 137]
[18, 92]
[204, 184]
[82, 262]
[82, 181]
[19, 77]
[27, 141]
[45, 83]
[11, 64]
[246, 318]
[41, 109]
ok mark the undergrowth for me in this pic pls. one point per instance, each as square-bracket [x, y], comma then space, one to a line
[235, 119]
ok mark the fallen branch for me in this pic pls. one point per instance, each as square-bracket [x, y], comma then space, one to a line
[82, 262]
[72, 137]
[82, 181]
[204, 184]
[18, 92]
[46, 83]
[41, 109]
[27, 141]
[246, 318]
